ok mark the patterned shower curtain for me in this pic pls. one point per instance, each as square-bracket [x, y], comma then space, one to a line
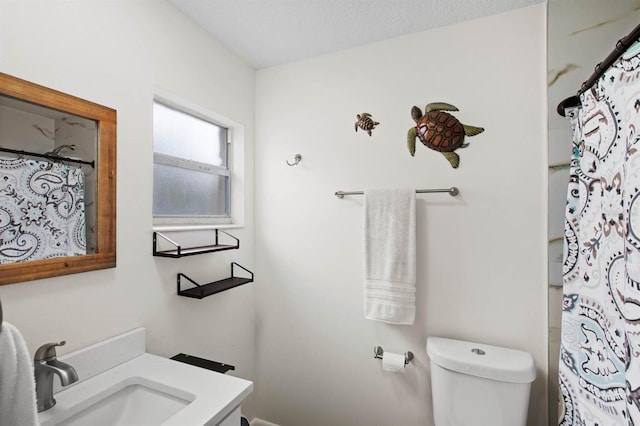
[41, 210]
[600, 346]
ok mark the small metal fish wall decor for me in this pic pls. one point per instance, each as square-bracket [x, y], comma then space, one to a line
[365, 122]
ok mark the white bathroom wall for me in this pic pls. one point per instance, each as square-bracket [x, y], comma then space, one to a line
[482, 255]
[115, 52]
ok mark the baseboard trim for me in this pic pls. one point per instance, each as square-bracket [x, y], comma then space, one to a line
[259, 422]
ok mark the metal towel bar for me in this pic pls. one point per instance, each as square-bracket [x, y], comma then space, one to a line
[453, 191]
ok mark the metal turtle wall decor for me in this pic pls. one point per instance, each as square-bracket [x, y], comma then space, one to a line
[365, 122]
[440, 131]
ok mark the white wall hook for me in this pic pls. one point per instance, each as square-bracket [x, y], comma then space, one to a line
[296, 159]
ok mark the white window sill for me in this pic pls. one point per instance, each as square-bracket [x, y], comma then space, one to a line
[178, 228]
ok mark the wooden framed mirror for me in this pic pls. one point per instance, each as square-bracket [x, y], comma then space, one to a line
[53, 129]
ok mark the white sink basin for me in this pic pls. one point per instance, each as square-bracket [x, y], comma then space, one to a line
[132, 402]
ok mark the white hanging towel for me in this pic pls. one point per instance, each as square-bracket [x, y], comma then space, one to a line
[17, 384]
[390, 255]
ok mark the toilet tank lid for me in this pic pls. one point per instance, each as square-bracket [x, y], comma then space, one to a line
[476, 359]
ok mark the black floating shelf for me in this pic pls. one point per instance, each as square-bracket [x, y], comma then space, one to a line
[201, 291]
[179, 251]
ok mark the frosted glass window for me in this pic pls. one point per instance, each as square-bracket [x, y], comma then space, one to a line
[178, 192]
[190, 174]
[183, 135]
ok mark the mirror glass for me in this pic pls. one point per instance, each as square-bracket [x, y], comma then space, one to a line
[27, 128]
[57, 183]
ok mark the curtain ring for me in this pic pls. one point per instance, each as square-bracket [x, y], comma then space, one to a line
[296, 159]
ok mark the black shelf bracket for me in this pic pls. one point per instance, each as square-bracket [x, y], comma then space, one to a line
[178, 251]
[201, 291]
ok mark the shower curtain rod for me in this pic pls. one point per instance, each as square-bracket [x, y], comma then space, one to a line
[453, 191]
[621, 46]
[47, 156]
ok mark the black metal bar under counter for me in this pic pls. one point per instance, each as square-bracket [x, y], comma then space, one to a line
[203, 363]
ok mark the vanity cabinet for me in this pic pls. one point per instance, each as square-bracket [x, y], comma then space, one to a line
[233, 419]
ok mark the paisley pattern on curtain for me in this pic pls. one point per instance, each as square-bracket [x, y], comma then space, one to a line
[41, 210]
[600, 345]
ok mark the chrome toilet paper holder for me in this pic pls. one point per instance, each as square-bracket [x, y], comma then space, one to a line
[378, 352]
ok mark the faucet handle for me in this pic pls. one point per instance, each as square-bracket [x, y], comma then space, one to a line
[48, 350]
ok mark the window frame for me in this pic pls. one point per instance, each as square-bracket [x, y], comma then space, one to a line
[235, 169]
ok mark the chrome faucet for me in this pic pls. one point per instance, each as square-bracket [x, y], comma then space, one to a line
[45, 365]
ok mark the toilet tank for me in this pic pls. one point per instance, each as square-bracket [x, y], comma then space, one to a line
[479, 385]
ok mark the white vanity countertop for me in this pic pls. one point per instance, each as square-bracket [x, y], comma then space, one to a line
[214, 395]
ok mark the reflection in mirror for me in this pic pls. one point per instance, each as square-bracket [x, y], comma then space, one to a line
[68, 187]
[57, 183]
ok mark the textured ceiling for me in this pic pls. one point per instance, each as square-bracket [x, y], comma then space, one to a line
[273, 32]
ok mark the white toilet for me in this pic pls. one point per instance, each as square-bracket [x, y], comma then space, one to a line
[479, 385]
